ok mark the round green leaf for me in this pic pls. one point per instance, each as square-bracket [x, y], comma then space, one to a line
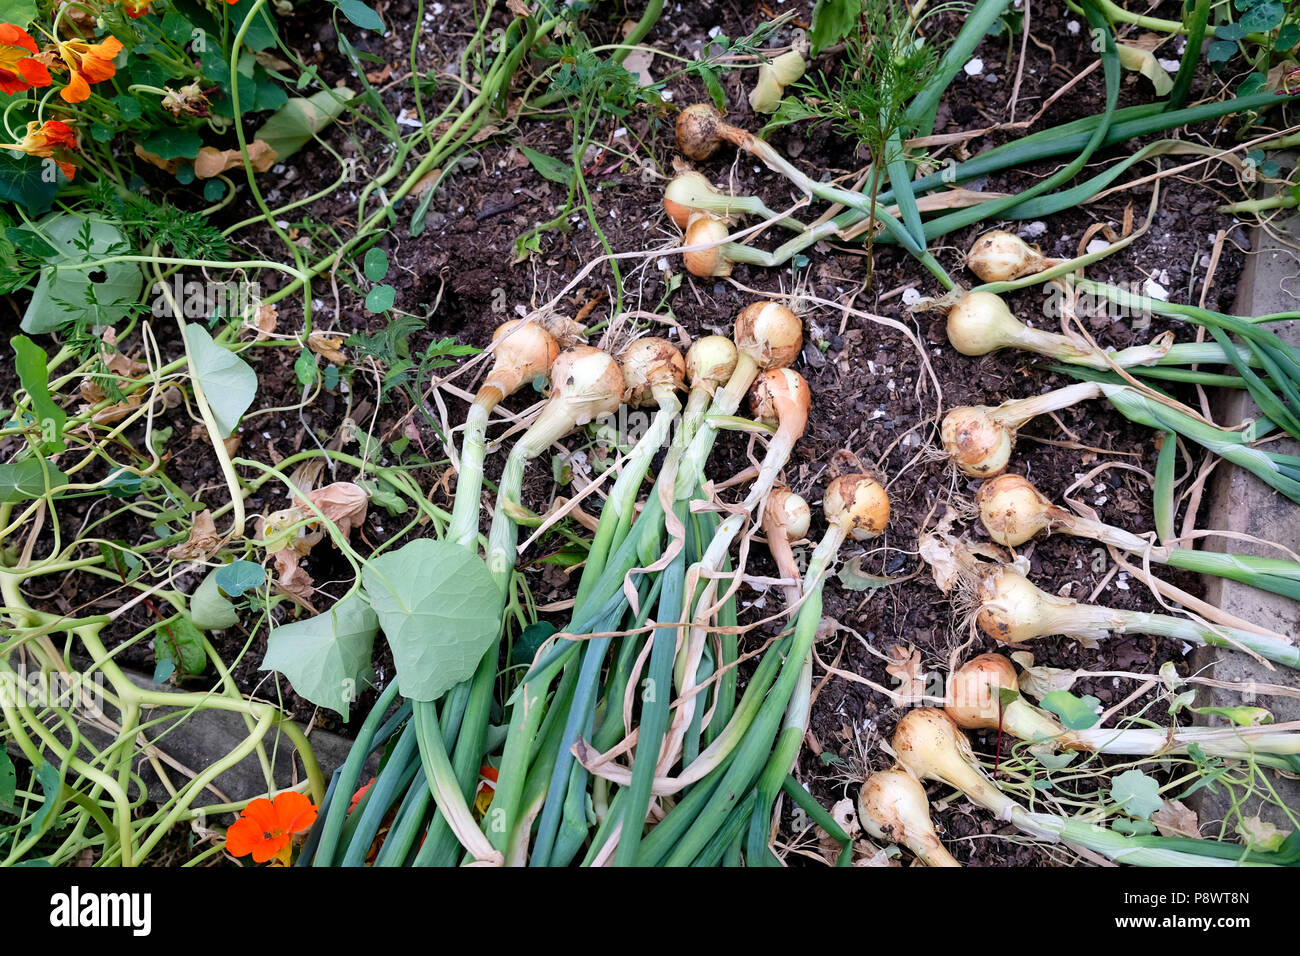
[440, 609]
[239, 576]
[381, 298]
[209, 609]
[325, 657]
[376, 264]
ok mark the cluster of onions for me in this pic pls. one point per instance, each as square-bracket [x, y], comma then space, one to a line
[983, 694]
[1012, 610]
[979, 438]
[932, 747]
[1001, 256]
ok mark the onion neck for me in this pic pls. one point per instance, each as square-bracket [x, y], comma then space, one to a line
[1024, 721]
[1017, 412]
[463, 527]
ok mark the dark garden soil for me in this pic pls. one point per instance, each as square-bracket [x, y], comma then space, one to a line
[872, 393]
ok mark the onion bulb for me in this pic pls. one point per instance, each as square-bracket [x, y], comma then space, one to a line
[1012, 510]
[789, 512]
[652, 367]
[687, 193]
[705, 229]
[699, 131]
[1012, 610]
[710, 361]
[587, 382]
[979, 438]
[892, 806]
[769, 333]
[978, 443]
[975, 701]
[780, 397]
[981, 323]
[1001, 256]
[858, 505]
[522, 351]
[932, 747]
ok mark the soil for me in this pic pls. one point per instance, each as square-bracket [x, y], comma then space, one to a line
[872, 393]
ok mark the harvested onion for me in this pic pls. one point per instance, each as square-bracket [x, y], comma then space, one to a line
[1000, 256]
[892, 806]
[979, 438]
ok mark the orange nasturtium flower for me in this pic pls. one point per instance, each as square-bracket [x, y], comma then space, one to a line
[88, 63]
[136, 8]
[266, 827]
[487, 788]
[43, 139]
[19, 69]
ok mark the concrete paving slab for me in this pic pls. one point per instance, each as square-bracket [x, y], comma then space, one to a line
[1240, 502]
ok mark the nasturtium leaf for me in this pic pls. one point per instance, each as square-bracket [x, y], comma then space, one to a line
[1137, 794]
[1241, 715]
[175, 27]
[1076, 713]
[8, 781]
[47, 775]
[1056, 761]
[29, 360]
[1252, 84]
[1231, 32]
[26, 479]
[440, 609]
[1261, 835]
[239, 576]
[1220, 51]
[376, 264]
[304, 367]
[261, 31]
[548, 166]
[293, 125]
[209, 608]
[1263, 17]
[526, 645]
[70, 289]
[229, 385]
[1287, 37]
[29, 181]
[361, 14]
[213, 190]
[1133, 827]
[381, 298]
[20, 13]
[172, 142]
[180, 642]
[124, 484]
[831, 22]
[326, 657]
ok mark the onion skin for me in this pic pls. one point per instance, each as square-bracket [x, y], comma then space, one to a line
[523, 351]
[712, 262]
[981, 323]
[589, 381]
[975, 702]
[978, 444]
[699, 131]
[651, 365]
[1012, 610]
[1013, 510]
[780, 396]
[769, 333]
[973, 699]
[1001, 256]
[789, 512]
[892, 806]
[858, 505]
[710, 361]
